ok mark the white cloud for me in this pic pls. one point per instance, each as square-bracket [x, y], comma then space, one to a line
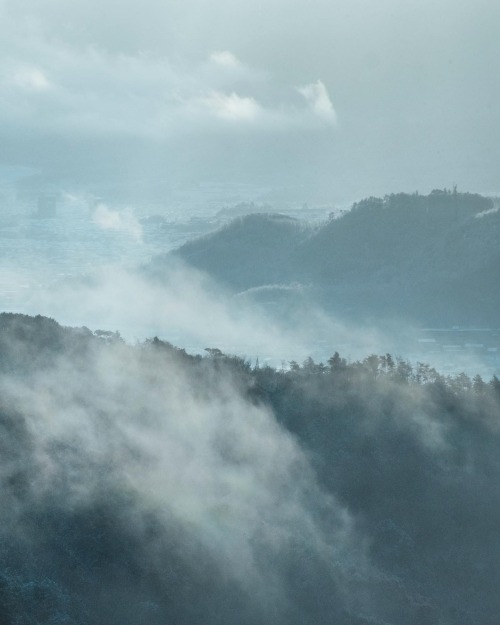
[231, 107]
[101, 105]
[31, 78]
[225, 59]
[142, 95]
[317, 96]
[490, 211]
[114, 74]
[120, 221]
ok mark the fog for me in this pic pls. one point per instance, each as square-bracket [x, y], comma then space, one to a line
[187, 308]
[229, 492]
[182, 450]
[144, 485]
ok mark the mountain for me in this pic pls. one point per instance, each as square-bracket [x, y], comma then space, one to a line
[431, 257]
[251, 251]
[141, 484]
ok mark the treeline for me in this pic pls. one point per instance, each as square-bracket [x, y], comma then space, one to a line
[141, 484]
[414, 456]
[447, 201]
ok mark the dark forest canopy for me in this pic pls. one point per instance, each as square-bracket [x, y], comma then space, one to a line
[432, 258]
[141, 484]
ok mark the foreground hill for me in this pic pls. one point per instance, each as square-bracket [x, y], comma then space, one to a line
[433, 258]
[140, 484]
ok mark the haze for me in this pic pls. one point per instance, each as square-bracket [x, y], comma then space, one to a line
[249, 340]
[341, 99]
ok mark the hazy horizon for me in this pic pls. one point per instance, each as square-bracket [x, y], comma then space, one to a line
[338, 100]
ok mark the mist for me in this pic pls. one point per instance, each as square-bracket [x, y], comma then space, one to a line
[193, 476]
[142, 483]
[188, 308]
[249, 350]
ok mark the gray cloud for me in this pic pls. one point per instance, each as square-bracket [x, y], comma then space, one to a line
[159, 84]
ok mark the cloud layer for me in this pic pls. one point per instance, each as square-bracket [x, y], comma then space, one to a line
[361, 98]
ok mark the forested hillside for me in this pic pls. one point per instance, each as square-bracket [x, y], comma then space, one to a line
[433, 258]
[250, 251]
[141, 484]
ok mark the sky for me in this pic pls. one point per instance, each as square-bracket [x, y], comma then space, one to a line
[343, 98]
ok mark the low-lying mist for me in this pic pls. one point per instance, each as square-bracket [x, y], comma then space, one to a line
[189, 309]
[141, 484]
[145, 492]
[276, 323]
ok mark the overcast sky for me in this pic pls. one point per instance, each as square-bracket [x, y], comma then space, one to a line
[353, 97]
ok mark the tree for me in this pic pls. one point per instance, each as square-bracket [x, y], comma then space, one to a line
[337, 363]
[478, 384]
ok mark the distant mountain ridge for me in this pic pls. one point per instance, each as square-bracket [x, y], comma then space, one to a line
[434, 257]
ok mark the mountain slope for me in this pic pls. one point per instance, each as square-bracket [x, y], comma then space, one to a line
[250, 251]
[432, 257]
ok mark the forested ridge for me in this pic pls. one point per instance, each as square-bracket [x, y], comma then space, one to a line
[431, 258]
[141, 484]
